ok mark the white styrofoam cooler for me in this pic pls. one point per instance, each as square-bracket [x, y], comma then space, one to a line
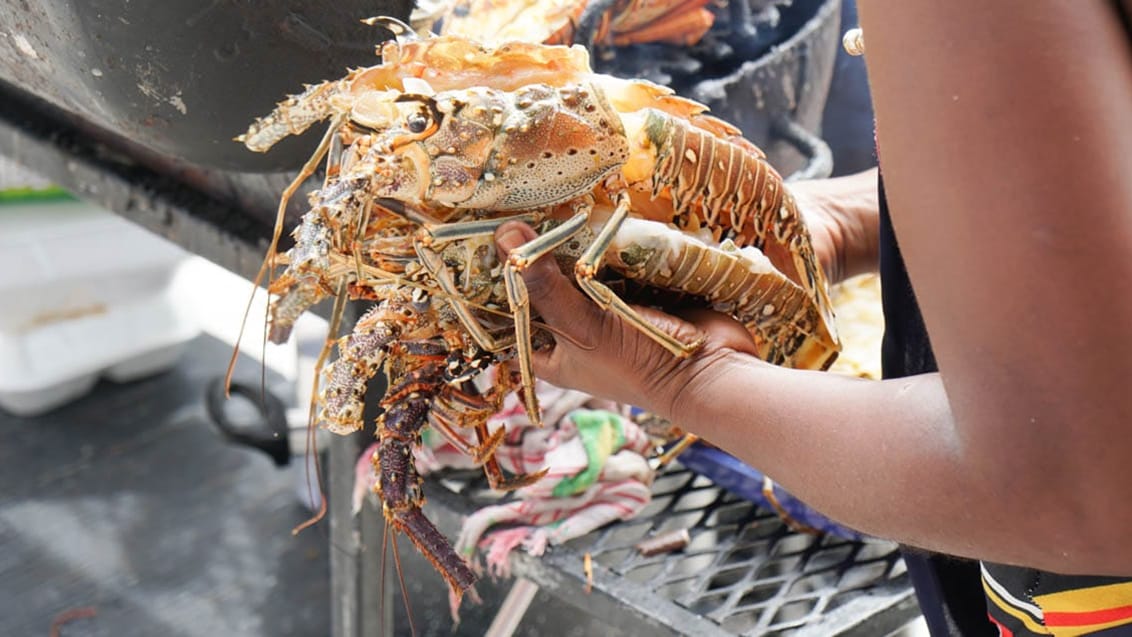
[84, 294]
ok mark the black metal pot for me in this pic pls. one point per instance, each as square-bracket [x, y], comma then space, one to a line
[777, 99]
[768, 72]
[182, 77]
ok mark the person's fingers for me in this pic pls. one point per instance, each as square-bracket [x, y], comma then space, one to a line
[675, 326]
[722, 329]
[552, 295]
[597, 351]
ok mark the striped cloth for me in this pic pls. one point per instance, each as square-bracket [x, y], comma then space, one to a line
[1023, 602]
[597, 472]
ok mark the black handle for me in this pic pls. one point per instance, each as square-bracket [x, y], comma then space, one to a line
[269, 435]
[819, 158]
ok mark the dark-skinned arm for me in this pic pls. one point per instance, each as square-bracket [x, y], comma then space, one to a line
[1004, 134]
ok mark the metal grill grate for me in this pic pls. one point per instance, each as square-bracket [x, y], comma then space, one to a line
[744, 571]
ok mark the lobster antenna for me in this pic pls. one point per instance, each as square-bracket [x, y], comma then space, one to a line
[384, 554]
[264, 268]
[404, 590]
[364, 268]
[327, 345]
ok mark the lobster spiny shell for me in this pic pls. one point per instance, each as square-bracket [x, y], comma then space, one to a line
[452, 131]
[741, 282]
[495, 150]
[455, 63]
[503, 150]
[694, 178]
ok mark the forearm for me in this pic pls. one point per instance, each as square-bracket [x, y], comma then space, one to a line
[851, 212]
[885, 457]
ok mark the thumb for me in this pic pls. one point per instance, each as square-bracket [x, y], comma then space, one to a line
[722, 330]
[552, 295]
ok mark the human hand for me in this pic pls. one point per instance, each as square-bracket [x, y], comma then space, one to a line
[842, 215]
[599, 353]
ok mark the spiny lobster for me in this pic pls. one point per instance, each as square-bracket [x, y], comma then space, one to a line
[432, 150]
[586, 22]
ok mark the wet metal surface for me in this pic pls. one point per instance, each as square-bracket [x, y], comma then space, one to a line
[228, 226]
[129, 502]
[182, 78]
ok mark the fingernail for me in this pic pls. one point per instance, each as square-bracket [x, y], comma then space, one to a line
[511, 237]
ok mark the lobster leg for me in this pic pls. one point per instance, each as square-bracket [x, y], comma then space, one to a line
[480, 453]
[443, 278]
[454, 407]
[494, 473]
[519, 259]
[585, 271]
[516, 290]
[472, 406]
[454, 232]
[491, 466]
[467, 229]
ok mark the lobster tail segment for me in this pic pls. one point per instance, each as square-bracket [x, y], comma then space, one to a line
[437, 549]
[724, 187]
[399, 484]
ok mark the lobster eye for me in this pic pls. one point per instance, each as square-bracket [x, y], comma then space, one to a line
[417, 123]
